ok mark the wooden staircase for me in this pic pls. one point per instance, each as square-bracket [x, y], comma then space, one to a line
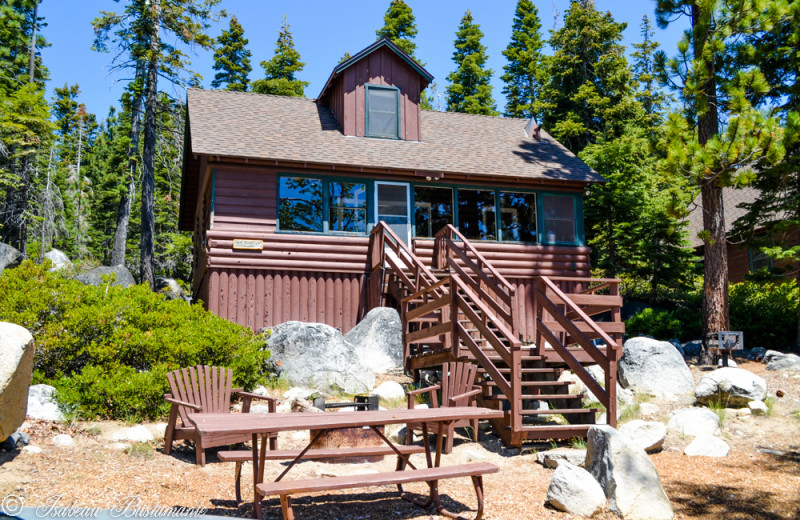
[462, 308]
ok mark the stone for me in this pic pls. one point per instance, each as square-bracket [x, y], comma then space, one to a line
[33, 450]
[42, 405]
[134, 434]
[769, 354]
[170, 288]
[757, 408]
[119, 446]
[652, 366]
[473, 455]
[731, 387]
[378, 340]
[575, 491]
[123, 277]
[16, 368]
[731, 363]
[627, 475]
[624, 396]
[58, 259]
[552, 458]
[62, 439]
[10, 257]
[298, 393]
[692, 348]
[784, 362]
[754, 354]
[707, 446]
[316, 355]
[745, 412]
[390, 391]
[650, 435]
[397, 435]
[649, 409]
[694, 422]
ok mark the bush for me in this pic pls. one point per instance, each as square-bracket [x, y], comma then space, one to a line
[107, 349]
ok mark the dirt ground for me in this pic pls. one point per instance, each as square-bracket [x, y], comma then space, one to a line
[759, 479]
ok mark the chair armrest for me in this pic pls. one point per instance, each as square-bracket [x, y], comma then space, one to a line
[168, 398]
[247, 397]
[451, 401]
[423, 390]
[257, 396]
[428, 389]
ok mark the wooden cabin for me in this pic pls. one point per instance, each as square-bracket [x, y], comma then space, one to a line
[320, 209]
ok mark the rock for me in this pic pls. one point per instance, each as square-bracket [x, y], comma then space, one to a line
[298, 393]
[170, 288]
[473, 455]
[390, 391]
[769, 354]
[42, 405]
[731, 387]
[731, 363]
[784, 362]
[677, 344]
[692, 348]
[650, 435]
[33, 450]
[745, 412]
[315, 354]
[694, 422]
[649, 409]
[577, 386]
[62, 439]
[707, 446]
[626, 475]
[397, 435]
[552, 458]
[10, 257]
[58, 259]
[16, 368]
[648, 365]
[574, 490]
[95, 276]
[754, 354]
[262, 408]
[378, 340]
[119, 446]
[757, 407]
[134, 434]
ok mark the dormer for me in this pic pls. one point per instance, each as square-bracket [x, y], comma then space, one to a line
[376, 93]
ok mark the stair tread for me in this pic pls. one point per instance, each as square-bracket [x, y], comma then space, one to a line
[535, 397]
[532, 383]
[562, 411]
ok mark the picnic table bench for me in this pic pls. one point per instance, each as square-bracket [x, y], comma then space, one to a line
[261, 425]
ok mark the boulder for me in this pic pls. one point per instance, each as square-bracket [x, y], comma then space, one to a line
[624, 396]
[769, 354]
[552, 458]
[170, 288]
[95, 276]
[650, 435]
[390, 391]
[10, 257]
[316, 355]
[753, 354]
[42, 405]
[692, 348]
[58, 259]
[707, 446]
[784, 362]
[574, 490]
[656, 367]
[378, 340]
[734, 387]
[694, 422]
[626, 475]
[16, 368]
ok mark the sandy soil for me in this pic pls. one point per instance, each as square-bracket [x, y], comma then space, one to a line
[759, 479]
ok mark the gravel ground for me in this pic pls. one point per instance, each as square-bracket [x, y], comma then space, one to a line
[759, 479]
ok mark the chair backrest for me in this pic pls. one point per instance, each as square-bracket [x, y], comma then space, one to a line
[457, 378]
[209, 387]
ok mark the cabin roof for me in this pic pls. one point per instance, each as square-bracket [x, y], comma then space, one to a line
[731, 200]
[266, 127]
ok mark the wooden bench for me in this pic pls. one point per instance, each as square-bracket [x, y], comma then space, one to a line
[430, 475]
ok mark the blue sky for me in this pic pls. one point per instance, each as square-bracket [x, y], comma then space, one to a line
[323, 32]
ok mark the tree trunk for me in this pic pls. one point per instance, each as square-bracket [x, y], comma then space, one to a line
[32, 50]
[150, 127]
[14, 223]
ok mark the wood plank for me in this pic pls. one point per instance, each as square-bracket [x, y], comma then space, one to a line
[320, 453]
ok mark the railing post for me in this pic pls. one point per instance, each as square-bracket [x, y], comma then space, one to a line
[539, 316]
[611, 387]
[455, 344]
[516, 388]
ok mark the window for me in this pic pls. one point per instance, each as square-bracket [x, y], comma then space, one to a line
[383, 108]
[347, 207]
[759, 260]
[517, 217]
[300, 204]
[433, 210]
[559, 219]
[476, 214]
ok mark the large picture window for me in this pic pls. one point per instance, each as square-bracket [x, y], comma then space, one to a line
[383, 107]
[517, 217]
[300, 204]
[433, 210]
[559, 219]
[476, 214]
[347, 207]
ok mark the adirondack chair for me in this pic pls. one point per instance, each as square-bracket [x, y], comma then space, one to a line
[205, 389]
[458, 389]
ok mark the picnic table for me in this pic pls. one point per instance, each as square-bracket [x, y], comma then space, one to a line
[261, 425]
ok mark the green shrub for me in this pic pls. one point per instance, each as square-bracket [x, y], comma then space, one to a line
[662, 324]
[107, 349]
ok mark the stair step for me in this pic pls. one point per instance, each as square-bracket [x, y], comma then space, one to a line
[533, 383]
[536, 397]
[562, 411]
[556, 431]
[505, 370]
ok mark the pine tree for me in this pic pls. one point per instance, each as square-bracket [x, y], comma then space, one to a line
[469, 90]
[282, 69]
[232, 59]
[524, 73]
[648, 94]
[399, 26]
[725, 137]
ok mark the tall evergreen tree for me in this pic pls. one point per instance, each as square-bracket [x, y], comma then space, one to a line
[399, 26]
[524, 73]
[281, 71]
[649, 95]
[469, 90]
[232, 59]
[725, 136]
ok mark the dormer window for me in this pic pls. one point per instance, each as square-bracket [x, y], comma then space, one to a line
[383, 111]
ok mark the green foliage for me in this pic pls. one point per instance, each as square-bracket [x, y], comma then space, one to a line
[469, 90]
[281, 70]
[17, 22]
[107, 349]
[525, 71]
[232, 59]
[665, 324]
[399, 26]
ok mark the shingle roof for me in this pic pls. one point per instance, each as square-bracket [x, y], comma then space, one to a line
[258, 126]
[731, 199]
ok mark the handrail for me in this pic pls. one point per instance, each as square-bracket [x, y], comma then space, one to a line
[403, 252]
[449, 229]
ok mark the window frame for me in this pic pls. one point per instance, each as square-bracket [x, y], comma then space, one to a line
[577, 224]
[371, 86]
[752, 254]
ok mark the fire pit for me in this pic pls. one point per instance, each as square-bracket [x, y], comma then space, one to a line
[349, 437]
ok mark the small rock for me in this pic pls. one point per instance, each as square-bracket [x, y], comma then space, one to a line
[32, 449]
[574, 490]
[261, 390]
[552, 458]
[390, 391]
[119, 446]
[694, 422]
[757, 407]
[262, 408]
[780, 393]
[731, 386]
[134, 434]
[473, 455]
[42, 405]
[298, 392]
[731, 363]
[58, 259]
[744, 412]
[707, 446]
[397, 435]
[650, 435]
[784, 362]
[62, 439]
[649, 409]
